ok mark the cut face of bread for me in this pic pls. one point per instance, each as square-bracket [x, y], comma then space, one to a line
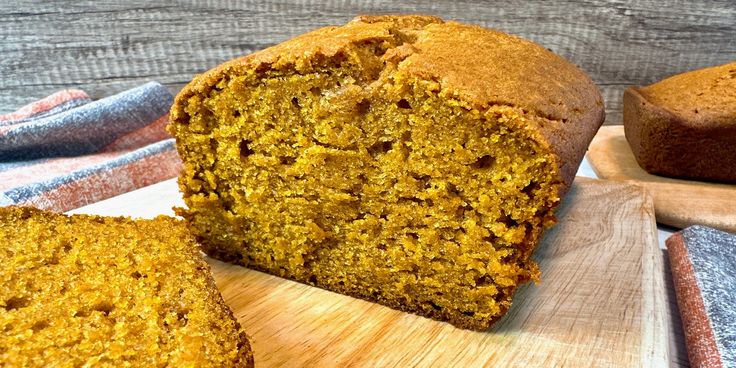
[348, 172]
[98, 291]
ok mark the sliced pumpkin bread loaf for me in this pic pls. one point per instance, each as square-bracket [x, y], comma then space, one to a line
[400, 159]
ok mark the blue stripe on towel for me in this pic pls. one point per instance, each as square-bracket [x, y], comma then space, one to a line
[88, 128]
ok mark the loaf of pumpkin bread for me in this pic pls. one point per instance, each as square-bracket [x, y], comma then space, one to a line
[685, 126]
[109, 292]
[399, 159]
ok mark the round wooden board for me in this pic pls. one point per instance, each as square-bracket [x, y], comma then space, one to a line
[678, 203]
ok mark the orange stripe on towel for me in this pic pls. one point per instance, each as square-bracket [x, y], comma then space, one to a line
[45, 104]
[52, 168]
[103, 185]
[150, 133]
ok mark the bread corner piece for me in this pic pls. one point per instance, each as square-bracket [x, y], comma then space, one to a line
[685, 126]
[399, 159]
[100, 291]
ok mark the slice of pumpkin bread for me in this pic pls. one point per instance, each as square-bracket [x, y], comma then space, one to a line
[100, 291]
[399, 159]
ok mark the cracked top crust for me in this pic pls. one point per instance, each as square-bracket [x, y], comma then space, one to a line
[479, 66]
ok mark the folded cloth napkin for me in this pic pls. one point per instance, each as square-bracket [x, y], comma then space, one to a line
[66, 151]
[704, 273]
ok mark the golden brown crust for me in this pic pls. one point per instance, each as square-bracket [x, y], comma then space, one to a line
[702, 97]
[495, 69]
[685, 126]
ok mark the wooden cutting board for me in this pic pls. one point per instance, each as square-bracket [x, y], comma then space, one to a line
[601, 302]
[678, 203]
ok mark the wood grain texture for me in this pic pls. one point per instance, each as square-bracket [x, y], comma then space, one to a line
[678, 203]
[107, 46]
[601, 302]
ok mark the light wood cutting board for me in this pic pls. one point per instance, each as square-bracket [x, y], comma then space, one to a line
[678, 203]
[601, 302]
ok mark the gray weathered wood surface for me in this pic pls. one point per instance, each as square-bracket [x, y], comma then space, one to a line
[107, 46]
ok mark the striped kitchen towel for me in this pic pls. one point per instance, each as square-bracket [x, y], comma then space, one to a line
[66, 151]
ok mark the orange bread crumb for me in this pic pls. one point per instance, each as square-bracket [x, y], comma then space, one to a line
[100, 291]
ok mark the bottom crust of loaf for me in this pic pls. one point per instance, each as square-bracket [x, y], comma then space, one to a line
[434, 313]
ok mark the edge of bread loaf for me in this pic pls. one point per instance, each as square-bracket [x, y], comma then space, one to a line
[639, 116]
[557, 91]
[245, 350]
